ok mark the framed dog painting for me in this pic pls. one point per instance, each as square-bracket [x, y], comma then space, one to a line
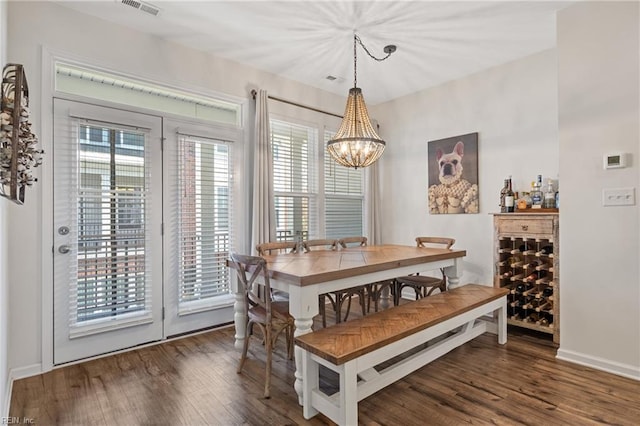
[453, 175]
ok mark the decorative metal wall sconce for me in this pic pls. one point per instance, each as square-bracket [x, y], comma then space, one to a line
[18, 152]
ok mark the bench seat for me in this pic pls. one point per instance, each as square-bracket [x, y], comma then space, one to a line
[354, 348]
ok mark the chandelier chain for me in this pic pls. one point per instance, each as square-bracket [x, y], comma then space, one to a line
[357, 40]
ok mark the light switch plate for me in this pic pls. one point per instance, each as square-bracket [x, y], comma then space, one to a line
[619, 197]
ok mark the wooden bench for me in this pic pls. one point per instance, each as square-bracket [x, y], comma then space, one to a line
[354, 348]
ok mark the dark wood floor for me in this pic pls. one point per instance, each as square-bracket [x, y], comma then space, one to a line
[192, 381]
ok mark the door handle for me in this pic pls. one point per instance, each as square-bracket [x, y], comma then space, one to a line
[64, 249]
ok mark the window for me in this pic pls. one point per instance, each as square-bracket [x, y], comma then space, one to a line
[295, 162]
[205, 218]
[344, 198]
[302, 210]
[111, 222]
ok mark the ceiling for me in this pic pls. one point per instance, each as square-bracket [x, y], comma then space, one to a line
[307, 41]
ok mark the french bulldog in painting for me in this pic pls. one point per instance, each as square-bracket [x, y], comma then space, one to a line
[453, 194]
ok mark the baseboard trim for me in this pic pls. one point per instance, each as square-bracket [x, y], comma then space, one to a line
[601, 364]
[17, 374]
[24, 372]
[6, 398]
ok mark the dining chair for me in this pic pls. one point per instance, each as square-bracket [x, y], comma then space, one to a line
[337, 298]
[276, 247]
[272, 317]
[424, 285]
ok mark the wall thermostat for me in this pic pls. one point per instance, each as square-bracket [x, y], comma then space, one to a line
[615, 161]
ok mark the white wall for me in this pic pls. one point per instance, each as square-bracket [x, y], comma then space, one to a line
[4, 285]
[34, 26]
[599, 113]
[513, 107]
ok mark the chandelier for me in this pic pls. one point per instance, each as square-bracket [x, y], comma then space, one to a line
[356, 144]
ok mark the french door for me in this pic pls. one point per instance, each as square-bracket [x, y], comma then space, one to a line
[107, 226]
[142, 229]
[198, 206]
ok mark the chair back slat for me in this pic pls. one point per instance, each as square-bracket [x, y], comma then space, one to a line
[435, 241]
[264, 249]
[321, 244]
[353, 241]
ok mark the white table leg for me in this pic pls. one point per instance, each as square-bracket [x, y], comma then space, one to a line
[385, 298]
[239, 312]
[303, 306]
[502, 322]
[454, 273]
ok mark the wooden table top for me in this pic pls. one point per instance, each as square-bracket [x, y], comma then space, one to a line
[326, 265]
[348, 340]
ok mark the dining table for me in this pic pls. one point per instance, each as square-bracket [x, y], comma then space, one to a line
[307, 275]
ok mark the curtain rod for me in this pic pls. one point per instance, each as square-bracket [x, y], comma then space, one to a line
[284, 101]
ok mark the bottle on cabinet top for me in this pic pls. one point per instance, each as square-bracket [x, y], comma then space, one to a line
[509, 198]
[536, 193]
[503, 193]
[549, 200]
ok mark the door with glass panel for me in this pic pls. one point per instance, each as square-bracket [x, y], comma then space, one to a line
[198, 200]
[107, 230]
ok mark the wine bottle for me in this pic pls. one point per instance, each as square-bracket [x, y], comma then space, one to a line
[515, 261]
[545, 250]
[526, 249]
[543, 320]
[549, 201]
[534, 317]
[503, 193]
[543, 280]
[536, 193]
[517, 277]
[546, 306]
[533, 264]
[542, 267]
[519, 289]
[515, 312]
[509, 198]
[506, 275]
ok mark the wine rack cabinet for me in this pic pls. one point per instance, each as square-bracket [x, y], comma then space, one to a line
[527, 263]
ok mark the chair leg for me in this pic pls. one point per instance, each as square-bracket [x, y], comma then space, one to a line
[344, 296]
[323, 311]
[290, 348]
[245, 347]
[269, 348]
[363, 302]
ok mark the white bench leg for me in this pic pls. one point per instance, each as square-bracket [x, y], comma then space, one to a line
[310, 372]
[349, 394]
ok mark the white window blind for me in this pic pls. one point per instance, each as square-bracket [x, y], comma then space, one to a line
[205, 170]
[112, 242]
[295, 179]
[344, 197]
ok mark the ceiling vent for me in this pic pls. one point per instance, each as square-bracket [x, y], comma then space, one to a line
[142, 6]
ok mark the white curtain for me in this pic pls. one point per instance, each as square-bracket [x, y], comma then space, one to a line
[263, 227]
[372, 220]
